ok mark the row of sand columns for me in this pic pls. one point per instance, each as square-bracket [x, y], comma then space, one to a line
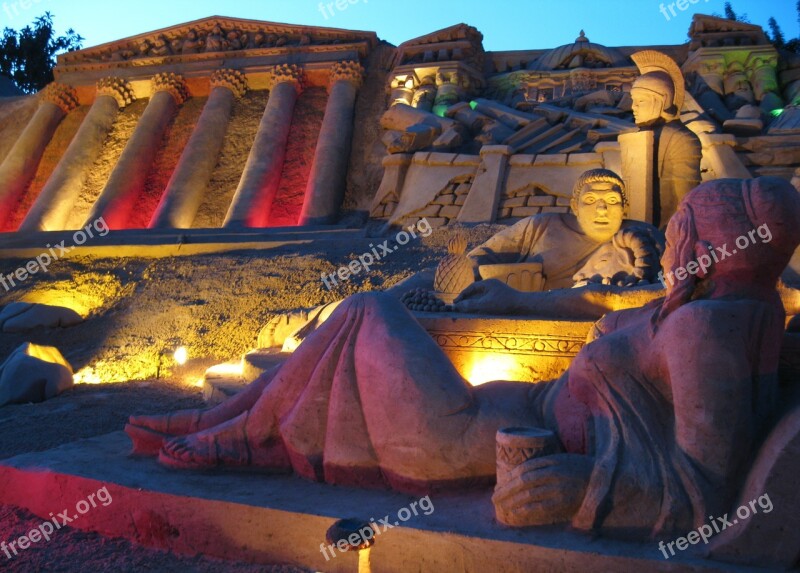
[19, 166]
[188, 185]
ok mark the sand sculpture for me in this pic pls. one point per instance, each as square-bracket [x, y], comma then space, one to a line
[638, 442]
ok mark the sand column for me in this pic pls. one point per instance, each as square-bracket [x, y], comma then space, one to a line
[20, 165]
[425, 96]
[188, 184]
[764, 79]
[449, 90]
[54, 204]
[327, 182]
[128, 178]
[262, 172]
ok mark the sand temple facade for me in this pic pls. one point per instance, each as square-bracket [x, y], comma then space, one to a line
[229, 123]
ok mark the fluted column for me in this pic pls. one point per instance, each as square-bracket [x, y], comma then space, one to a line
[262, 172]
[764, 78]
[402, 90]
[424, 97]
[449, 91]
[128, 178]
[52, 208]
[735, 81]
[19, 166]
[326, 184]
[189, 181]
[713, 74]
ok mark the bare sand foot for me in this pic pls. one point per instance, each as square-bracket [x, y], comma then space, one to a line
[228, 445]
[171, 424]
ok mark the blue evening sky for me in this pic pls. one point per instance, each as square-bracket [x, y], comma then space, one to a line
[505, 24]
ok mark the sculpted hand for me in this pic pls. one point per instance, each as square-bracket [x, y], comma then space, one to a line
[543, 490]
[488, 297]
[631, 259]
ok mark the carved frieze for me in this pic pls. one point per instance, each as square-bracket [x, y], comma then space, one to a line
[545, 345]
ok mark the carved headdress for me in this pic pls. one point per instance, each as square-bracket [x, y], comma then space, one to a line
[661, 75]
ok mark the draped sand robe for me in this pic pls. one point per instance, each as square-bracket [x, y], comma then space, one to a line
[369, 398]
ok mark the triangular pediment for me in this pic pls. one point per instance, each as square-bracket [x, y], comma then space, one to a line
[703, 24]
[451, 34]
[216, 34]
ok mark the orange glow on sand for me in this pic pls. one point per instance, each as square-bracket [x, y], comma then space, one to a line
[86, 376]
[487, 367]
[225, 370]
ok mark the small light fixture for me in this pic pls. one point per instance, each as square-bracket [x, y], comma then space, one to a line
[181, 355]
[340, 533]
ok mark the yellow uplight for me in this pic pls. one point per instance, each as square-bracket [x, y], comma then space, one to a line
[46, 354]
[86, 376]
[181, 355]
[487, 367]
[224, 370]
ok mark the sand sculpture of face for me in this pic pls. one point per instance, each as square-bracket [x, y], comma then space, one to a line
[599, 209]
[653, 97]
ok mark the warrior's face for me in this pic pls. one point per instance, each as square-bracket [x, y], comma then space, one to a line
[648, 106]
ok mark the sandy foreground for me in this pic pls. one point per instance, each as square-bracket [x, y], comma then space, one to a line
[136, 311]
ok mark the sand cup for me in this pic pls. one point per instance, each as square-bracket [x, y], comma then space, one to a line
[517, 445]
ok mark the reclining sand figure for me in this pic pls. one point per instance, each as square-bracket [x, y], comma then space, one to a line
[657, 418]
[593, 243]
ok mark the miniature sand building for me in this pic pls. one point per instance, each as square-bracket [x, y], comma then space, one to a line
[235, 123]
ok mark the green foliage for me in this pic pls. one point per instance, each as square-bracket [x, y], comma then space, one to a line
[774, 34]
[28, 56]
[731, 15]
[778, 39]
[777, 36]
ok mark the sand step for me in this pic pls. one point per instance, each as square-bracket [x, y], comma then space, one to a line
[264, 519]
[259, 360]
